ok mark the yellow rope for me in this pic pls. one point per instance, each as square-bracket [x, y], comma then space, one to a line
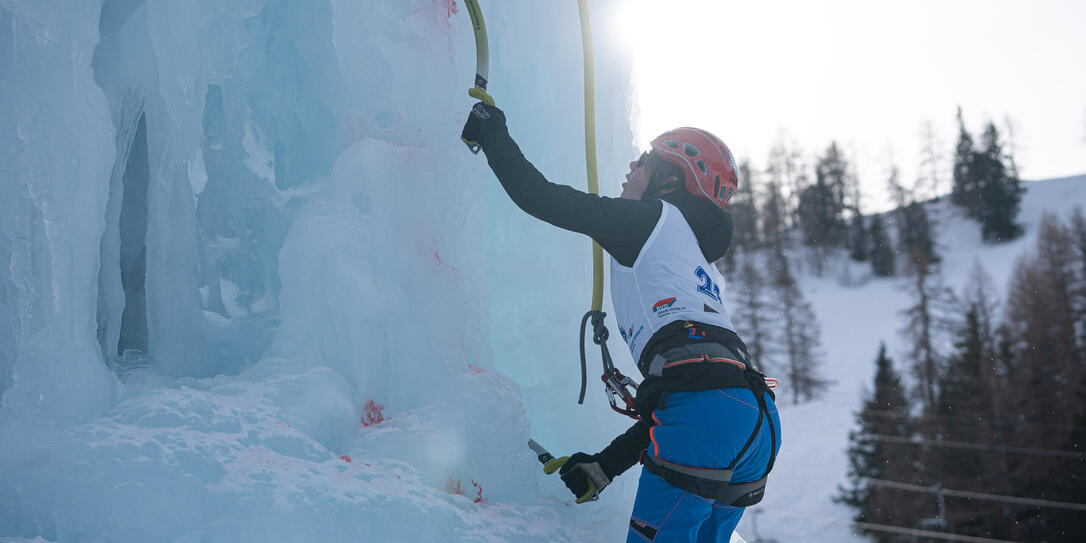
[590, 145]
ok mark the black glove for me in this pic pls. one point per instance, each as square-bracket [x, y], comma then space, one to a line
[584, 476]
[483, 120]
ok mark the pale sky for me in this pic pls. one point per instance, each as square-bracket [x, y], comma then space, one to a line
[867, 74]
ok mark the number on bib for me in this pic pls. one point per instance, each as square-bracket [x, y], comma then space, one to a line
[707, 286]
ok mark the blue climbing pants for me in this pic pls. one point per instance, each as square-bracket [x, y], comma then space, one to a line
[705, 429]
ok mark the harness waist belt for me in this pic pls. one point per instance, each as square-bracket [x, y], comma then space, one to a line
[687, 354]
[711, 484]
[721, 475]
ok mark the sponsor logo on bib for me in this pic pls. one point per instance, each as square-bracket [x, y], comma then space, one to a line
[663, 305]
[666, 307]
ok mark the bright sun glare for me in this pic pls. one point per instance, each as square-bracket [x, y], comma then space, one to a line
[866, 75]
[668, 48]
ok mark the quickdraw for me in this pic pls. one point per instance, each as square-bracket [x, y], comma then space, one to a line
[620, 388]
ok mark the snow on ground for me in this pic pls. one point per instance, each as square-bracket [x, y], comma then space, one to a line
[255, 459]
[813, 461]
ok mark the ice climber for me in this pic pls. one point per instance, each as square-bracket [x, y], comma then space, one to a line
[709, 430]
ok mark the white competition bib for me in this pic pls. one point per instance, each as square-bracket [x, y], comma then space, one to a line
[670, 281]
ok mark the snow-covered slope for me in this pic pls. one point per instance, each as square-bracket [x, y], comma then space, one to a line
[812, 462]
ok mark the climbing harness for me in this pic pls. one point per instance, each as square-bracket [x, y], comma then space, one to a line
[482, 61]
[715, 484]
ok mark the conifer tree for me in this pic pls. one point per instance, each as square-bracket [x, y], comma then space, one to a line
[753, 311]
[798, 335]
[854, 199]
[965, 193]
[915, 234]
[1041, 314]
[773, 217]
[1012, 164]
[882, 253]
[897, 190]
[980, 295]
[744, 217]
[1000, 191]
[930, 180]
[965, 412]
[926, 322]
[885, 412]
[832, 171]
[1078, 236]
[743, 210]
[915, 239]
[818, 220]
[817, 216]
[785, 169]
[859, 240]
[821, 208]
[1048, 360]
[726, 263]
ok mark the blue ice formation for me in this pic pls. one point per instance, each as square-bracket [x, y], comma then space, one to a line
[226, 227]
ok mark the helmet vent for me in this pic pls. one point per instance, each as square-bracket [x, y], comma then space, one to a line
[701, 166]
[690, 150]
[716, 189]
[672, 143]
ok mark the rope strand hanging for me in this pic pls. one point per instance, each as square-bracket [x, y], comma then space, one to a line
[620, 389]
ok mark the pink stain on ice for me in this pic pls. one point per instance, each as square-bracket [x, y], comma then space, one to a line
[453, 486]
[345, 458]
[371, 413]
[441, 261]
[479, 494]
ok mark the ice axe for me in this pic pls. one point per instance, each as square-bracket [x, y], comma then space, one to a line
[482, 61]
[552, 464]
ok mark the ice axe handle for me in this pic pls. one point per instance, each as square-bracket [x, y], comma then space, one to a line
[479, 93]
[545, 457]
[552, 464]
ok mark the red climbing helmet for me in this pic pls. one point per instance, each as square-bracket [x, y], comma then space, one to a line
[706, 162]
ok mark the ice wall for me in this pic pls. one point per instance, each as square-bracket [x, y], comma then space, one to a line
[266, 202]
[56, 150]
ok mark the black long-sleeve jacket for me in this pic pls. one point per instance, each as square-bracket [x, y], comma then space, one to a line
[621, 227]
